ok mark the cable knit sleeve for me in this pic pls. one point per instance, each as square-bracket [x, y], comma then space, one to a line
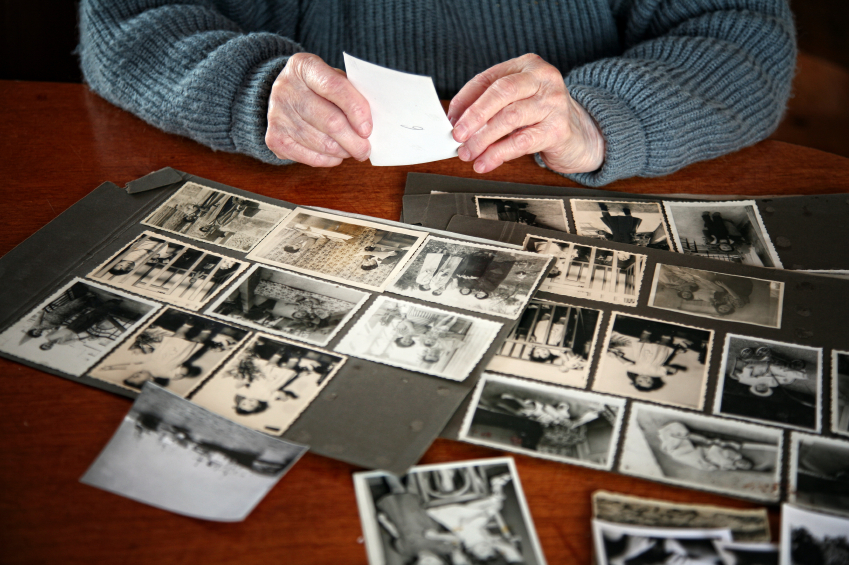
[186, 67]
[697, 79]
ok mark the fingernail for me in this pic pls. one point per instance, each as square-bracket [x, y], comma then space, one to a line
[479, 167]
[460, 133]
[365, 129]
[463, 153]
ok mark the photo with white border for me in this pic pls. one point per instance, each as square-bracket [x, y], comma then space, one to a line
[547, 213]
[634, 223]
[743, 553]
[819, 473]
[807, 536]
[616, 544]
[840, 392]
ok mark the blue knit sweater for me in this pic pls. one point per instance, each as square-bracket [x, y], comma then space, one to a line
[670, 82]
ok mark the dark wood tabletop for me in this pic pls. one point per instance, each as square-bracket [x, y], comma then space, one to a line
[60, 141]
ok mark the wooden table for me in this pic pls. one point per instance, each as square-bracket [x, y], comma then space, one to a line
[58, 142]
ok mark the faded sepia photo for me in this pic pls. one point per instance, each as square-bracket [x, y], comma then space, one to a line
[218, 217]
[708, 294]
[819, 472]
[616, 544]
[635, 223]
[289, 304]
[341, 249]
[267, 384]
[552, 342]
[548, 213]
[840, 392]
[419, 338]
[813, 538]
[75, 327]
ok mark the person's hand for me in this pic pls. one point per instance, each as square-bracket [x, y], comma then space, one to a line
[519, 107]
[316, 116]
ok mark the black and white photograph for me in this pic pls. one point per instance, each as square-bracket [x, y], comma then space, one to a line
[169, 270]
[356, 252]
[616, 544]
[584, 271]
[463, 513]
[703, 452]
[267, 384]
[177, 456]
[742, 553]
[288, 304]
[218, 217]
[727, 231]
[566, 425]
[840, 392]
[548, 213]
[746, 525]
[655, 361]
[419, 338]
[819, 472]
[708, 294]
[553, 342]
[770, 381]
[635, 223]
[492, 280]
[813, 538]
[176, 350]
[75, 327]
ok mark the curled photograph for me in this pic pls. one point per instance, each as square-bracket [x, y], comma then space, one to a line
[548, 213]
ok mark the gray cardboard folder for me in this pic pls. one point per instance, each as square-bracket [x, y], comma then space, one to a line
[370, 415]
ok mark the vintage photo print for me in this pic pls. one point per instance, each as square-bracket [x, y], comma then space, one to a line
[655, 361]
[218, 217]
[338, 248]
[468, 512]
[747, 553]
[635, 223]
[169, 270]
[175, 455]
[770, 381]
[419, 338]
[566, 425]
[176, 350]
[691, 450]
[819, 473]
[728, 231]
[745, 525]
[590, 272]
[493, 280]
[716, 295]
[840, 392]
[552, 342]
[548, 213]
[809, 537]
[75, 327]
[616, 544]
[288, 304]
[267, 384]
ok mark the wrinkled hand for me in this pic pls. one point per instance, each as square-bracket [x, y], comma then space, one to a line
[316, 116]
[519, 107]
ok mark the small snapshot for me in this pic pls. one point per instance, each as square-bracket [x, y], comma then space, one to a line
[552, 342]
[268, 384]
[177, 456]
[634, 223]
[687, 449]
[840, 391]
[743, 553]
[819, 473]
[218, 217]
[290, 305]
[548, 213]
[770, 381]
[728, 231]
[169, 270]
[458, 513]
[177, 350]
[616, 544]
[716, 295]
[539, 420]
[492, 280]
[356, 252]
[75, 327]
[811, 537]
[583, 271]
[419, 338]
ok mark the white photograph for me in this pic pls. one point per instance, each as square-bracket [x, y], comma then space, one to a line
[743, 553]
[419, 338]
[691, 450]
[819, 473]
[492, 280]
[840, 392]
[634, 223]
[813, 538]
[566, 425]
[548, 213]
[177, 456]
[75, 327]
[288, 304]
[463, 513]
[616, 544]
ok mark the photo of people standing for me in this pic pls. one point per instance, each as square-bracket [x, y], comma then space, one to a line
[634, 223]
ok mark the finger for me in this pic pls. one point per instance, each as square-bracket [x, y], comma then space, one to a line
[331, 84]
[328, 119]
[284, 146]
[478, 85]
[519, 143]
[307, 135]
[511, 118]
